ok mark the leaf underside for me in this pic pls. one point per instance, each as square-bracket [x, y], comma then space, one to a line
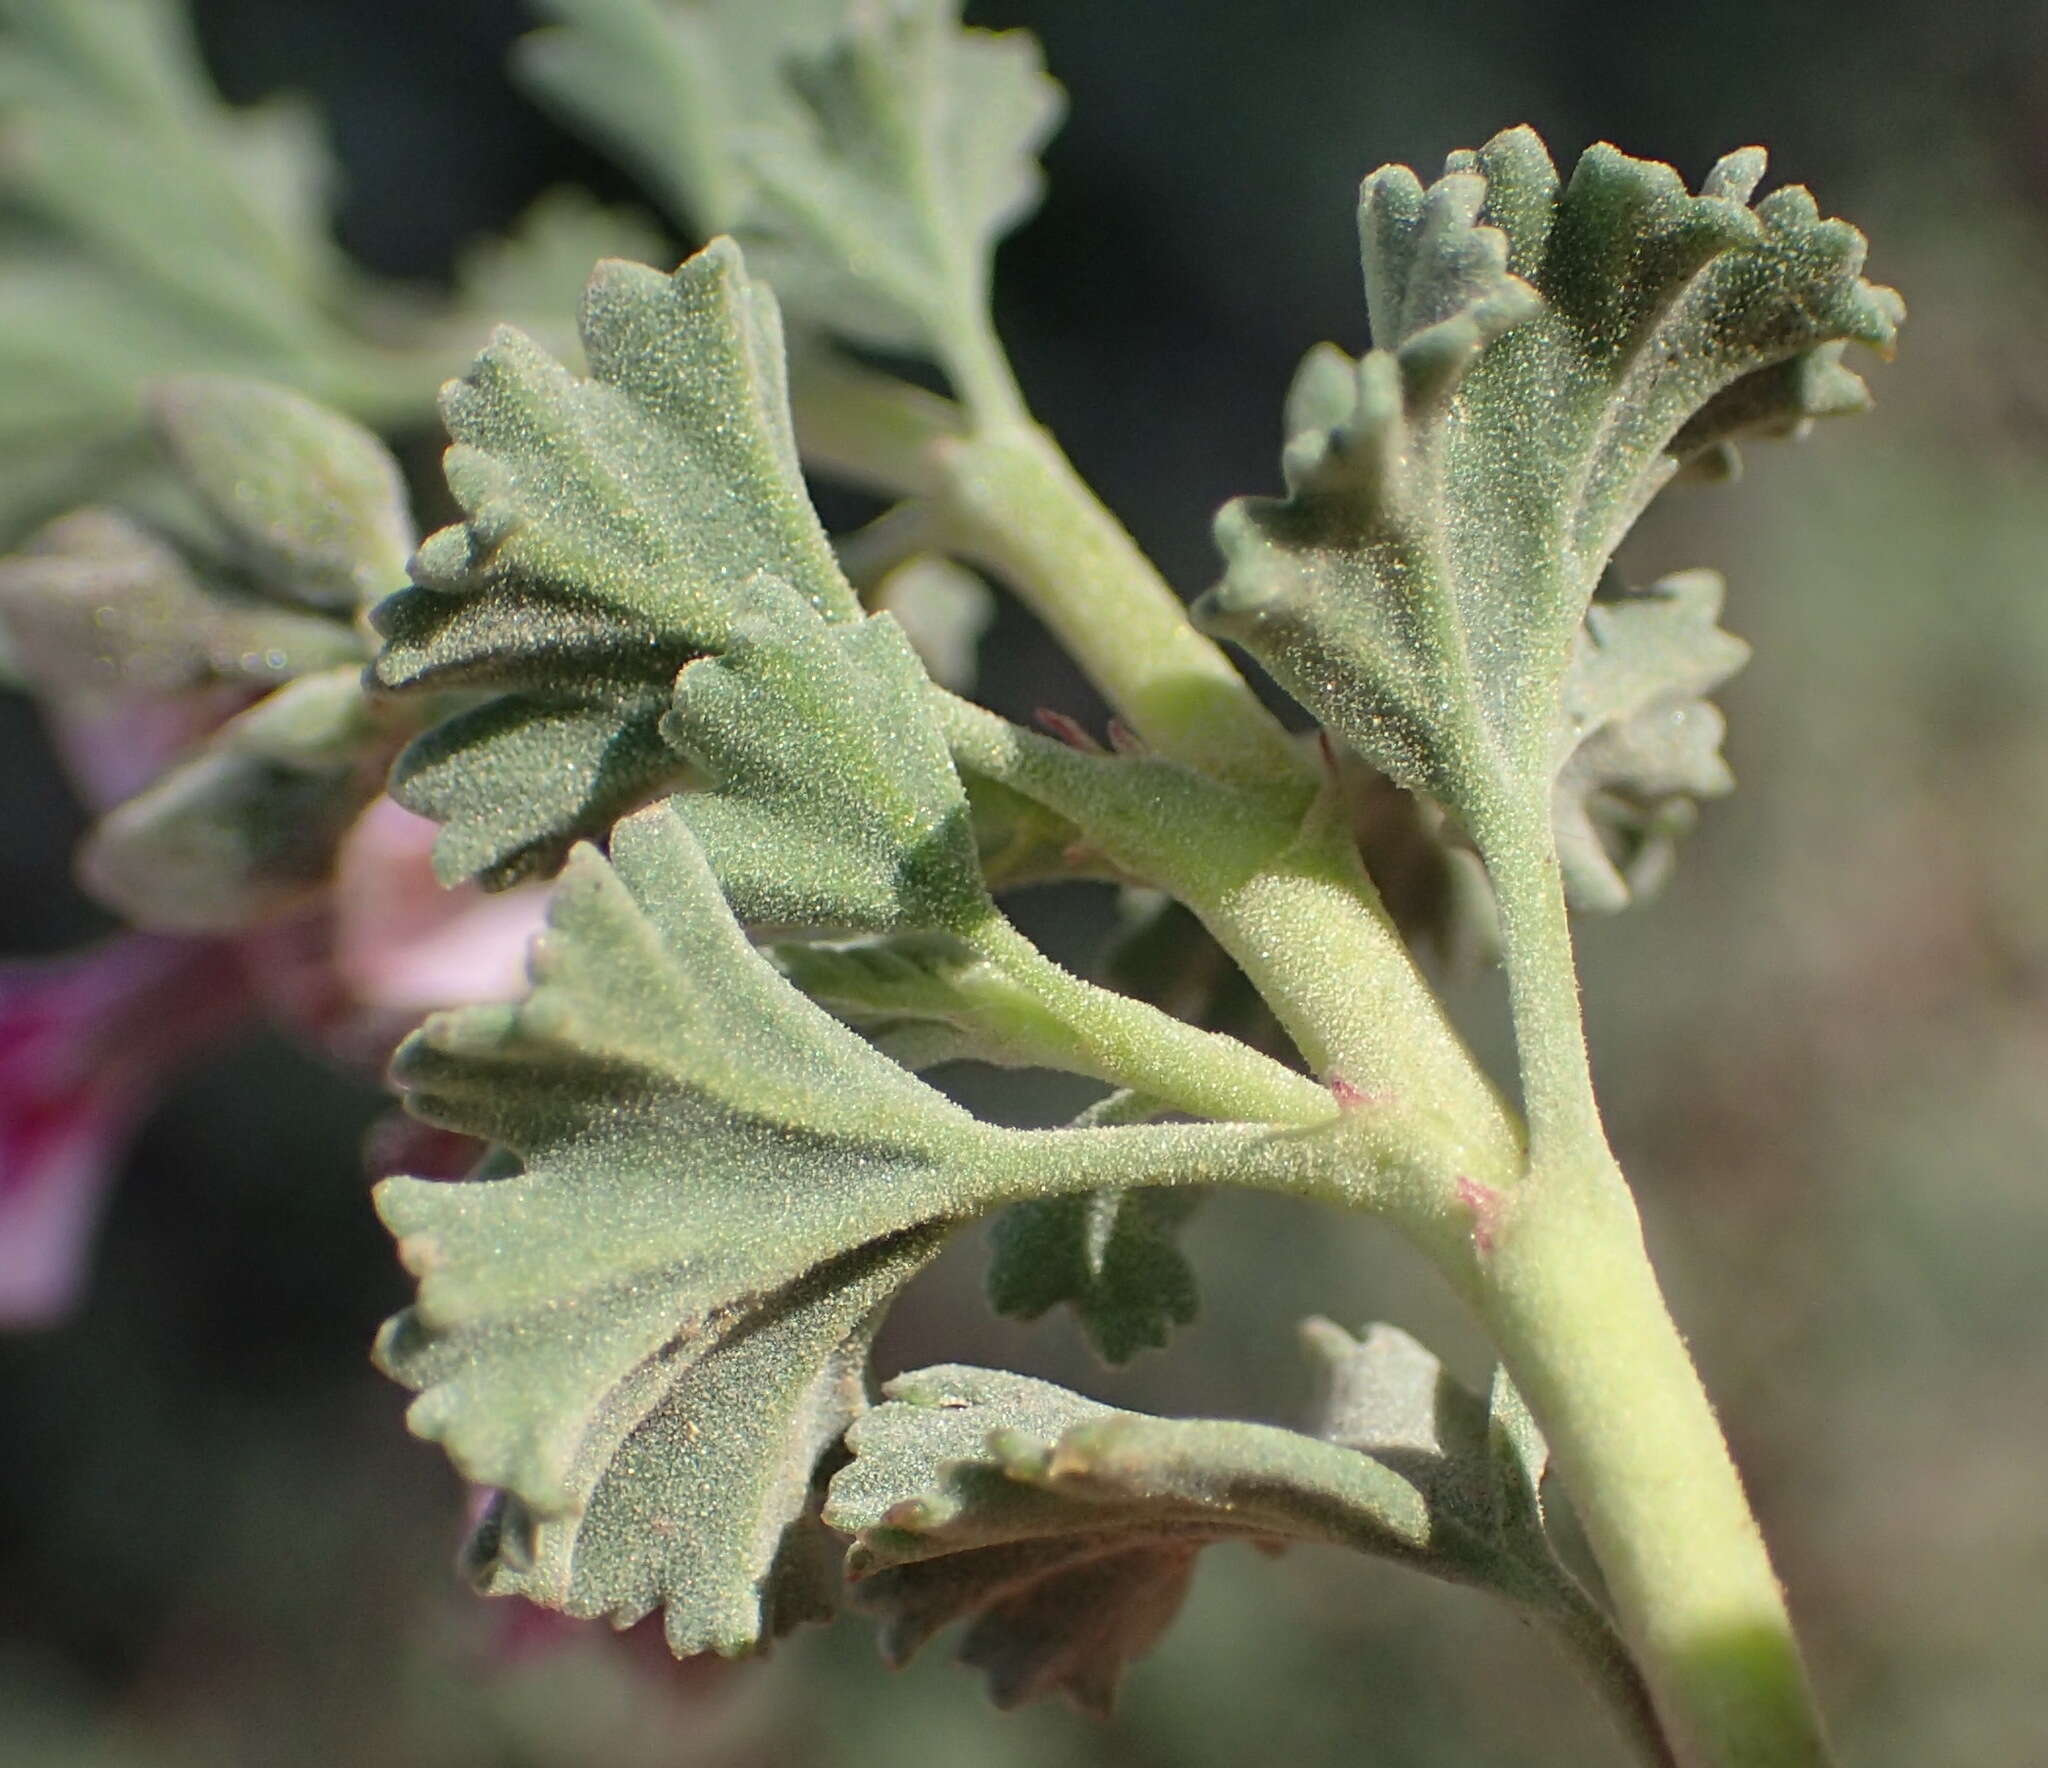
[1063, 1533]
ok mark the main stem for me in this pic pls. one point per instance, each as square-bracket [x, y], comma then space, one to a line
[1567, 1288]
[1557, 1265]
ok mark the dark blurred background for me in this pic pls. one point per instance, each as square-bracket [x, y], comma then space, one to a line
[1825, 1050]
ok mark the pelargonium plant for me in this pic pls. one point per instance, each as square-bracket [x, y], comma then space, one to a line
[780, 834]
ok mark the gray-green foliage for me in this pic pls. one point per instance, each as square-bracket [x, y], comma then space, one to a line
[147, 228]
[614, 523]
[649, 1336]
[214, 657]
[1064, 1532]
[648, 1330]
[1546, 354]
[868, 155]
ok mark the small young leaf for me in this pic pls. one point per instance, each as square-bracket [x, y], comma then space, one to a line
[246, 829]
[311, 502]
[614, 524]
[1544, 355]
[1640, 740]
[1112, 1256]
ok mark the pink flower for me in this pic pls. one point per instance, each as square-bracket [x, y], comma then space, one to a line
[86, 1043]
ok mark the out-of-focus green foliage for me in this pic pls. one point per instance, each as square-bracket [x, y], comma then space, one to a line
[204, 671]
[149, 229]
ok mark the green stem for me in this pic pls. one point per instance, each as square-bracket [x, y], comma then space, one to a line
[1019, 508]
[1543, 978]
[1567, 1289]
[1566, 1285]
[1131, 1044]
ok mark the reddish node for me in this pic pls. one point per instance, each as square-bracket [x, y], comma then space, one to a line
[1484, 1203]
[1068, 730]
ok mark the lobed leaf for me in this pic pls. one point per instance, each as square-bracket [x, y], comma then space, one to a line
[615, 524]
[149, 229]
[1545, 353]
[1114, 1257]
[876, 205]
[1642, 742]
[720, 1187]
[668, 86]
[1064, 1532]
[868, 155]
[834, 804]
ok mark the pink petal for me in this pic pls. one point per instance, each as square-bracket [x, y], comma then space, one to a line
[85, 1043]
[402, 943]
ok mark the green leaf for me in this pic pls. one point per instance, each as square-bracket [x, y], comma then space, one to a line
[877, 216]
[1641, 740]
[1064, 1531]
[869, 155]
[614, 523]
[1544, 355]
[834, 803]
[246, 829]
[1477, 1463]
[709, 1159]
[99, 607]
[706, 1506]
[149, 229]
[1112, 1256]
[311, 502]
[668, 85]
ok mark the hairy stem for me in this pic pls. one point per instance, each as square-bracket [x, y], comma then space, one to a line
[1566, 1286]
[1135, 1045]
[1567, 1289]
[1543, 979]
[1019, 508]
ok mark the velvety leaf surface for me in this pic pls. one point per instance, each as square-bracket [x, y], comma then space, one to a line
[833, 803]
[1544, 354]
[311, 503]
[720, 1186]
[1642, 740]
[614, 524]
[1114, 1257]
[1063, 1532]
